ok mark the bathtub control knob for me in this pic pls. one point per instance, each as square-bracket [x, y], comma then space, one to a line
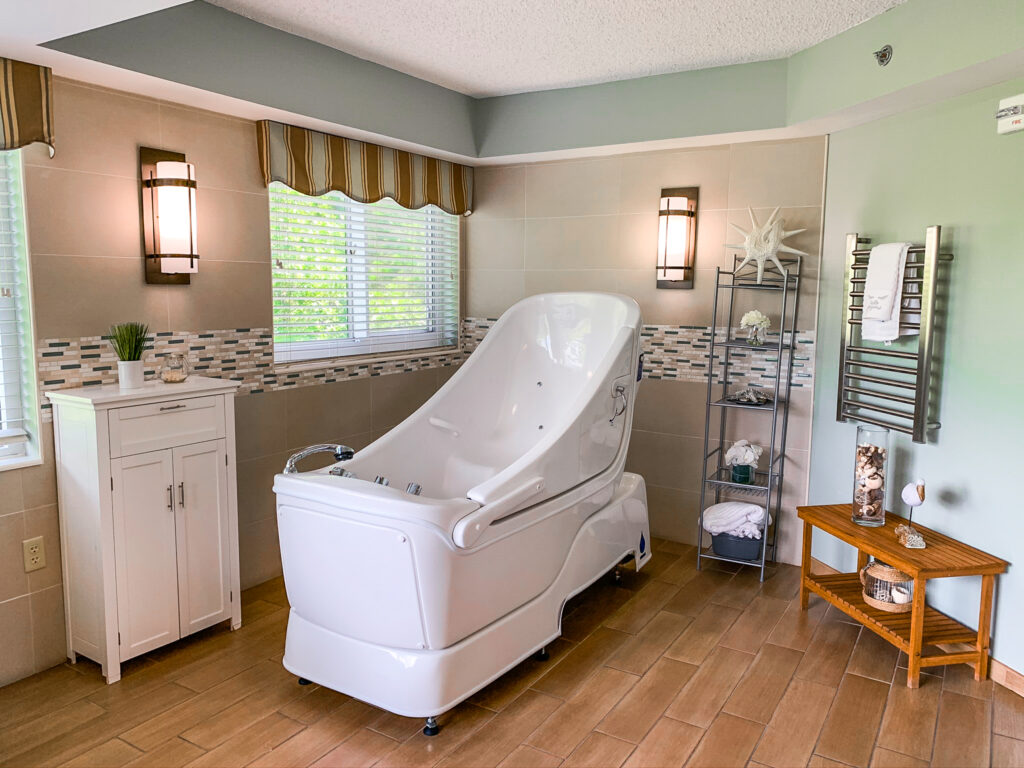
[413, 488]
[341, 472]
[381, 480]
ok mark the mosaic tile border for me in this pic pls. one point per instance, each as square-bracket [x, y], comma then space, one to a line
[246, 355]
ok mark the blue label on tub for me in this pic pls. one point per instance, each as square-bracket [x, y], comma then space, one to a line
[643, 544]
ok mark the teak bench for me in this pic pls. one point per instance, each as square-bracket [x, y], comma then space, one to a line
[923, 625]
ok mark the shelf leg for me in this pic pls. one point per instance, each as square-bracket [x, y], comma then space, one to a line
[916, 635]
[805, 566]
[862, 560]
[984, 625]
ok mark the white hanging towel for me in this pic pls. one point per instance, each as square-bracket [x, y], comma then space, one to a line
[883, 292]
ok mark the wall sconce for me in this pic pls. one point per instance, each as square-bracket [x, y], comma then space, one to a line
[168, 209]
[677, 236]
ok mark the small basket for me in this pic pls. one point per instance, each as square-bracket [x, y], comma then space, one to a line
[887, 588]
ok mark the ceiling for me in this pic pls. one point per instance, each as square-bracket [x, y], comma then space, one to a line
[497, 47]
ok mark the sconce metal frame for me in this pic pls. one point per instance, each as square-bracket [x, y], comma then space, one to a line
[692, 194]
[148, 158]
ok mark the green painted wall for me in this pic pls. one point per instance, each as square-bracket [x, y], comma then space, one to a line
[888, 180]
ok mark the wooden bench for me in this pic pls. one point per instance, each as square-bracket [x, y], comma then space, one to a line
[923, 626]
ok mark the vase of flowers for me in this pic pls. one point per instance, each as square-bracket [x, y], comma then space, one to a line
[755, 323]
[129, 343]
[743, 457]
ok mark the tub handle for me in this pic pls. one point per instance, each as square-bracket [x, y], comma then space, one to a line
[619, 391]
[341, 453]
[470, 528]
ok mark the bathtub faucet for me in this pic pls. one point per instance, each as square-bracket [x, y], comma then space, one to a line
[341, 453]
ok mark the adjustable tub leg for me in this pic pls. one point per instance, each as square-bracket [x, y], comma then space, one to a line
[304, 681]
[617, 575]
[431, 728]
[542, 654]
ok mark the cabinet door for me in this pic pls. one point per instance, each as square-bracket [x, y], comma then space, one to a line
[201, 498]
[144, 552]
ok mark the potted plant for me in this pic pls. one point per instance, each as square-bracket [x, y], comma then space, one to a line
[755, 323]
[743, 458]
[129, 342]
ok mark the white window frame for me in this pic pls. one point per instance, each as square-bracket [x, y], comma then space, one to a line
[19, 447]
[364, 342]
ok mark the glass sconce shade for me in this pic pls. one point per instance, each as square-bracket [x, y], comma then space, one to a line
[677, 237]
[169, 221]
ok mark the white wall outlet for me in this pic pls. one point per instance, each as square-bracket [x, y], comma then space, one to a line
[35, 554]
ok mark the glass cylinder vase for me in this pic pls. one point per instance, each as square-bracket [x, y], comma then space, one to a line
[870, 468]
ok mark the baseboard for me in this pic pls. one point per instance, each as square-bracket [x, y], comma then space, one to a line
[1000, 673]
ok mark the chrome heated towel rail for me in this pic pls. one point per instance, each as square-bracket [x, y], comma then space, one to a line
[902, 403]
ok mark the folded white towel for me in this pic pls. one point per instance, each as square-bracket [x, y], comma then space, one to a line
[739, 518]
[883, 292]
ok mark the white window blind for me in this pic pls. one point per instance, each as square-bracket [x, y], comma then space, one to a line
[17, 368]
[352, 278]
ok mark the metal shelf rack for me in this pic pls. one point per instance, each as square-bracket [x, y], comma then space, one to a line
[716, 475]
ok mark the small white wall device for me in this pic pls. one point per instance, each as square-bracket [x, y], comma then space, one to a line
[1010, 117]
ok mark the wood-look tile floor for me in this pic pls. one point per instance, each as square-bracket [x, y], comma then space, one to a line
[670, 667]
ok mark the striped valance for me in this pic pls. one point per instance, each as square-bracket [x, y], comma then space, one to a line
[314, 163]
[26, 104]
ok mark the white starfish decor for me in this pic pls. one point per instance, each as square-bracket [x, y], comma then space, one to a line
[764, 241]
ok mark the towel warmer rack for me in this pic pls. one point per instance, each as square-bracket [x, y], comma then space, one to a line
[908, 371]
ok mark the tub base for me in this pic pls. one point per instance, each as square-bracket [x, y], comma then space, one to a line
[426, 683]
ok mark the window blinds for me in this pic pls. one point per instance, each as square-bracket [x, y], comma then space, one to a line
[16, 364]
[355, 278]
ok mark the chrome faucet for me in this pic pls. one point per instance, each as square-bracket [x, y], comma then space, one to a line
[341, 453]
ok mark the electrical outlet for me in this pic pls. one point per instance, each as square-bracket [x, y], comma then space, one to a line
[35, 554]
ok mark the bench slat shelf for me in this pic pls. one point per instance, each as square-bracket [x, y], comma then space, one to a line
[923, 626]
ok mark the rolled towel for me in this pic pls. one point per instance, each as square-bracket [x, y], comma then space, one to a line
[732, 515]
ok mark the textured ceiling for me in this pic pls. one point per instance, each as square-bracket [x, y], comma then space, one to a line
[495, 47]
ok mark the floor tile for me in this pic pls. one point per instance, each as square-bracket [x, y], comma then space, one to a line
[793, 730]
[703, 696]
[639, 709]
[760, 690]
[667, 745]
[962, 735]
[849, 732]
[729, 741]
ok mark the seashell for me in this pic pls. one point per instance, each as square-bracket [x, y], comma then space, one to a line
[900, 595]
[909, 537]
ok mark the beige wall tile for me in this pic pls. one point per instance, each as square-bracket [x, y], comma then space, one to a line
[13, 579]
[328, 412]
[394, 397]
[256, 500]
[573, 188]
[767, 174]
[43, 521]
[17, 659]
[224, 294]
[499, 192]
[573, 242]
[82, 214]
[494, 243]
[84, 296]
[673, 513]
[49, 642]
[259, 554]
[233, 226]
[10, 492]
[645, 175]
[261, 421]
[491, 291]
[670, 406]
[99, 131]
[670, 461]
[222, 148]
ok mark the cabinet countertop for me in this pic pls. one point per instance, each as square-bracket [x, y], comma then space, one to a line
[154, 390]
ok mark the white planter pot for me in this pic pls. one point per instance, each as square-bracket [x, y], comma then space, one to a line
[130, 374]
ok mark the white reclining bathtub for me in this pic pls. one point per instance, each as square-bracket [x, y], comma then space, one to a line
[412, 602]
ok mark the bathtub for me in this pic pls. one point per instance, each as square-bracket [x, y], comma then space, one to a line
[505, 496]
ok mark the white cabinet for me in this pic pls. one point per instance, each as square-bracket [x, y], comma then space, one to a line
[148, 512]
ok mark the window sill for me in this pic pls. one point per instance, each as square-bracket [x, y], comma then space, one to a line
[340, 362]
[20, 462]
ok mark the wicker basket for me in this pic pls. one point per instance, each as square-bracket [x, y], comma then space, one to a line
[887, 588]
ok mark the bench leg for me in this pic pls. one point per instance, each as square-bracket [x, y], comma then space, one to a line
[916, 635]
[805, 566]
[984, 626]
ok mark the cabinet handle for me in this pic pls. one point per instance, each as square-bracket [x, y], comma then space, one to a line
[172, 407]
[181, 493]
[170, 497]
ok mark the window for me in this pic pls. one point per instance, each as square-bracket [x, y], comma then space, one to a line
[353, 278]
[19, 417]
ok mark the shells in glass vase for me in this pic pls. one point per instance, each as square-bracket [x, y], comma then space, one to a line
[869, 472]
[174, 369]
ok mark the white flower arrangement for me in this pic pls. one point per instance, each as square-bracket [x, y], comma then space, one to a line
[755, 319]
[743, 453]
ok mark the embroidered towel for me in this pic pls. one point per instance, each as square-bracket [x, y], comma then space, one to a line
[883, 292]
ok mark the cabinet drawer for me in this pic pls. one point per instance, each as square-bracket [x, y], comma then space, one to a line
[142, 428]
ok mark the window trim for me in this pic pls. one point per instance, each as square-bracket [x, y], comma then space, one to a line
[428, 346]
[35, 450]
